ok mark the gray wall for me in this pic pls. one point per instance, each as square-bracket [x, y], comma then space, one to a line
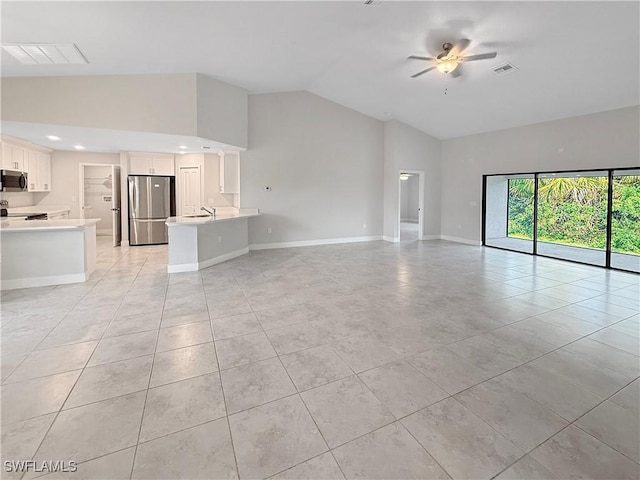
[324, 164]
[600, 140]
[179, 104]
[409, 197]
[222, 111]
[143, 103]
[410, 149]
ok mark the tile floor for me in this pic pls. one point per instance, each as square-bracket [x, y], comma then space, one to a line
[374, 360]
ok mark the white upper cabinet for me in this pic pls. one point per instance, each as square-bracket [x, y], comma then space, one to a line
[39, 171]
[13, 157]
[35, 162]
[163, 166]
[149, 165]
[230, 172]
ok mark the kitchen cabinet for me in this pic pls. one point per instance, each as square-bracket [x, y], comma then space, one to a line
[39, 171]
[13, 157]
[230, 172]
[147, 165]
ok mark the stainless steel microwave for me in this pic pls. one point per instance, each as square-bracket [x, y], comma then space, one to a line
[13, 181]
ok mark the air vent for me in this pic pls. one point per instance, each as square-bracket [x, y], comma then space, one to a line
[46, 54]
[205, 147]
[504, 69]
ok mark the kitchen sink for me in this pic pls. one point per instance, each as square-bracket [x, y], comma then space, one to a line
[197, 215]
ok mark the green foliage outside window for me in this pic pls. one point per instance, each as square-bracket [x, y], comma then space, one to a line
[573, 211]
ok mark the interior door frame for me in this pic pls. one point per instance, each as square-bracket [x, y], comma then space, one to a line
[179, 190]
[420, 174]
[114, 201]
[116, 205]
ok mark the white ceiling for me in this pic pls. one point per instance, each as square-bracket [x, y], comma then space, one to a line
[573, 57]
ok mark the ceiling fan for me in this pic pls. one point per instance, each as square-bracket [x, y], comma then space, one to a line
[450, 58]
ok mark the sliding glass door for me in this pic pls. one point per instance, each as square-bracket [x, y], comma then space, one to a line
[572, 216]
[513, 194]
[625, 220]
[590, 217]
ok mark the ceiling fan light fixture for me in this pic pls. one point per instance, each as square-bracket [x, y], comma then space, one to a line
[447, 64]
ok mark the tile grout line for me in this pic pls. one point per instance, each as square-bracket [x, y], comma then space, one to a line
[144, 405]
[569, 424]
[57, 414]
[224, 398]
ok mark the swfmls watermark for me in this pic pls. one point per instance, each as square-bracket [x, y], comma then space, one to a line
[44, 466]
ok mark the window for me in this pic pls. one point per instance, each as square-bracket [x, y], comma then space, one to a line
[589, 217]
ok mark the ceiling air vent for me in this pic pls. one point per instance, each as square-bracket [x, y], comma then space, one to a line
[504, 69]
[46, 54]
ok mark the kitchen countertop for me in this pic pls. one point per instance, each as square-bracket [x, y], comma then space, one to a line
[48, 209]
[19, 225]
[190, 221]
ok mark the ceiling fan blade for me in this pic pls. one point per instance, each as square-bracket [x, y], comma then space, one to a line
[415, 57]
[457, 72]
[422, 72]
[460, 46]
[480, 56]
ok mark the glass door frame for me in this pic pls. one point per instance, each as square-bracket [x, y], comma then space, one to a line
[536, 175]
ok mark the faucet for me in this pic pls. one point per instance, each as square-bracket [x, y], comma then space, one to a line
[4, 203]
[212, 213]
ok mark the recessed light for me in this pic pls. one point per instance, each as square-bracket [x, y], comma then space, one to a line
[46, 54]
[182, 147]
[78, 147]
[53, 137]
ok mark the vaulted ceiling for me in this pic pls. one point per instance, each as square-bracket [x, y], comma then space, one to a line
[573, 58]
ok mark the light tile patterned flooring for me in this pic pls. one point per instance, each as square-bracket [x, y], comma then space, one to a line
[375, 360]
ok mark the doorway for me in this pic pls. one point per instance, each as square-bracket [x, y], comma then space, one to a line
[189, 190]
[99, 194]
[411, 205]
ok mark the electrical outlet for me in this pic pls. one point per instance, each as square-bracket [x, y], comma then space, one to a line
[219, 239]
[269, 230]
[74, 198]
[211, 201]
[364, 225]
[459, 227]
[473, 204]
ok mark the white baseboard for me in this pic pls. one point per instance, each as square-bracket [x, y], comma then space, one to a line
[311, 243]
[104, 232]
[431, 237]
[11, 284]
[461, 240]
[194, 267]
[391, 239]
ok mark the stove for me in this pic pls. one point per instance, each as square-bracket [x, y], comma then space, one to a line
[29, 216]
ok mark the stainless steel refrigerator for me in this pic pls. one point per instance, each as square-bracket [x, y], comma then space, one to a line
[151, 201]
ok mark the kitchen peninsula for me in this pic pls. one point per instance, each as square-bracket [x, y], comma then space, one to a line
[199, 241]
[37, 253]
